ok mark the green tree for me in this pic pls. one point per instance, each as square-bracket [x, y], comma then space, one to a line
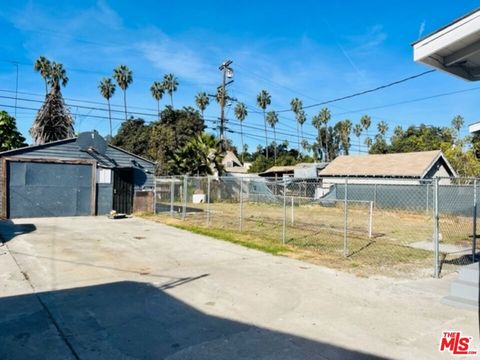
[382, 128]
[200, 156]
[241, 114]
[53, 121]
[124, 77]
[366, 121]
[325, 117]
[318, 149]
[107, 89]
[10, 137]
[301, 117]
[157, 90]
[134, 136]
[296, 106]
[263, 101]
[170, 83]
[44, 67]
[457, 124]
[58, 76]
[272, 120]
[202, 101]
[357, 130]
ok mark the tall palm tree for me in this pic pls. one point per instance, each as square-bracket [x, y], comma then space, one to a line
[58, 76]
[241, 113]
[263, 100]
[366, 121]
[296, 106]
[124, 77]
[170, 83]
[397, 132]
[44, 67]
[157, 90]
[272, 120]
[107, 89]
[357, 130]
[382, 128]
[368, 142]
[317, 124]
[301, 118]
[202, 100]
[325, 117]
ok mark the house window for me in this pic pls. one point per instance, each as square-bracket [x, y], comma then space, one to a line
[104, 176]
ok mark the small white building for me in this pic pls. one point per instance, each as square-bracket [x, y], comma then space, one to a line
[401, 168]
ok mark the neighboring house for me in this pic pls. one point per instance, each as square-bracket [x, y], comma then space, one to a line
[74, 177]
[232, 166]
[302, 170]
[400, 168]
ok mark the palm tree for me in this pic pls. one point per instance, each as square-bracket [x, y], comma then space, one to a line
[123, 75]
[58, 76]
[317, 124]
[170, 83]
[157, 90]
[382, 128]
[44, 67]
[241, 113]
[296, 106]
[202, 100]
[457, 124]
[357, 130]
[107, 89]
[263, 100]
[272, 120]
[325, 117]
[368, 142]
[221, 96]
[301, 118]
[397, 132]
[366, 121]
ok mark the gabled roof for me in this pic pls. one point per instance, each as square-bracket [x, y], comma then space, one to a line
[401, 165]
[65, 141]
[230, 156]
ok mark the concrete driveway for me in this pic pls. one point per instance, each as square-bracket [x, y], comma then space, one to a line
[94, 288]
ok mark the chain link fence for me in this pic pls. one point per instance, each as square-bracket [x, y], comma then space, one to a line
[371, 226]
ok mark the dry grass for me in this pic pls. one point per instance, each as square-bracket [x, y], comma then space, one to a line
[317, 234]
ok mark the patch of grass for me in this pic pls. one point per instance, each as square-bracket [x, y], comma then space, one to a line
[240, 238]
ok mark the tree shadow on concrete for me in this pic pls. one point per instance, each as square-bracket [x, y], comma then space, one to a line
[138, 320]
[8, 229]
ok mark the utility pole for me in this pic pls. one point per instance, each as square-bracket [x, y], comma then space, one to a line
[227, 72]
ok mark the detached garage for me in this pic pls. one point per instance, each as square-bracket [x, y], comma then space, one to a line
[74, 177]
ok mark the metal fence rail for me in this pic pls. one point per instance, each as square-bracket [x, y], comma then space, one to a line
[370, 225]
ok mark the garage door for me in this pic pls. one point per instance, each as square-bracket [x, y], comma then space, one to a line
[37, 189]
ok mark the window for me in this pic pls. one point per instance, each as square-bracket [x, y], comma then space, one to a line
[104, 176]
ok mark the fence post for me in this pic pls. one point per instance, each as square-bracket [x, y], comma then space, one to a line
[293, 216]
[436, 230]
[345, 220]
[427, 200]
[208, 200]
[241, 204]
[284, 230]
[370, 220]
[172, 194]
[474, 235]
[185, 195]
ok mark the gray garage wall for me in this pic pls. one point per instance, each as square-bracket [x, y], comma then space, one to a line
[67, 149]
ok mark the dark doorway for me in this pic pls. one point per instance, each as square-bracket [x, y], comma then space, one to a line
[123, 190]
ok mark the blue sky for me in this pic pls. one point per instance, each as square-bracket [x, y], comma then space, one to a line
[315, 50]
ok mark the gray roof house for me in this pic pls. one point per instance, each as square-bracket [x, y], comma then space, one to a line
[413, 167]
[74, 177]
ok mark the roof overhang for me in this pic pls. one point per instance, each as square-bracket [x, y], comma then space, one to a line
[455, 48]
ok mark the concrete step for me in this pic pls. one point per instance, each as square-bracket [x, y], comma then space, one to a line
[464, 289]
[469, 273]
[460, 303]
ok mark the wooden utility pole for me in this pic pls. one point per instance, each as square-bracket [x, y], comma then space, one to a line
[226, 72]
